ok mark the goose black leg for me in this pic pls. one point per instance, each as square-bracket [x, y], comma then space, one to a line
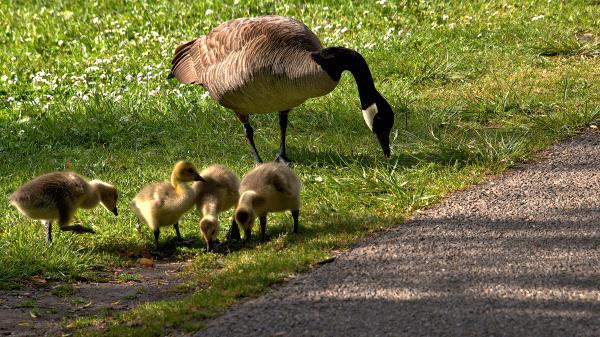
[283, 121]
[249, 131]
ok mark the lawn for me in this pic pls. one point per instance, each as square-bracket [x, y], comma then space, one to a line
[476, 86]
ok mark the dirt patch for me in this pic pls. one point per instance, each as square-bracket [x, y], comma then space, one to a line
[42, 309]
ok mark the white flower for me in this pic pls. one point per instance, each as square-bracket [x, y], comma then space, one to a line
[60, 43]
[10, 99]
[369, 45]
[154, 92]
[92, 68]
[128, 77]
[205, 95]
[319, 179]
[208, 12]
[4, 78]
[537, 17]
[67, 15]
[382, 2]
[95, 20]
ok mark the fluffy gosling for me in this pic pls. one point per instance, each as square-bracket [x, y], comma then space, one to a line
[270, 187]
[58, 195]
[218, 193]
[163, 203]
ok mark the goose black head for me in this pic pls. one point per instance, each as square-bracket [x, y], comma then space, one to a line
[379, 117]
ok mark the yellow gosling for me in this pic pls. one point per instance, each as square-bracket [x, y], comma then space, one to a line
[218, 193]
[163, 203]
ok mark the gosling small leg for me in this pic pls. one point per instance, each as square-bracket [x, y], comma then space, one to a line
[234, 231]
[179, 238]
[295, 217]
[263, 228]
[156, 235]
[176, 226]
[283, 122]
[48, 226]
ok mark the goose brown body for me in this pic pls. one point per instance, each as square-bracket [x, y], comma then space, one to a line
[218, 193]
[255, 65]
[269, 187]
[58, 195]
[273, 64]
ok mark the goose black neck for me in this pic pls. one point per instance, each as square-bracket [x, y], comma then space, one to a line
[335, 60]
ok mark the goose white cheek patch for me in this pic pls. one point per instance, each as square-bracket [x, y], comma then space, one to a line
[369, 114]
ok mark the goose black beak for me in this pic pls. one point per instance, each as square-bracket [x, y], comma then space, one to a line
[198, 178]
[384, 141]
[115, 211]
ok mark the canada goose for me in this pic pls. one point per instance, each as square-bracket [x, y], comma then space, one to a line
[274, 63]
[270, 187]
[58, 195]
[218, 193]
[163, 203]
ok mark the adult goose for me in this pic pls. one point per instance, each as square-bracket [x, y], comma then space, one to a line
[273, 63]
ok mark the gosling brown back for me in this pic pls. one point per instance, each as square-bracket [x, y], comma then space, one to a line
[57, 195]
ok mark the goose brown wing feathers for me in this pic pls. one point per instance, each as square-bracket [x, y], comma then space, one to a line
[240, 50]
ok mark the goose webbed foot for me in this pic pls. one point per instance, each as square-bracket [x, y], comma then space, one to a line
[281, 158]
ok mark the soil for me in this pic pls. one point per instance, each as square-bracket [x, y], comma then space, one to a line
[42, 308]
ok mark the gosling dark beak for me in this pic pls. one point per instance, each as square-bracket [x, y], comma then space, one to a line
[198, 178]
[115, 211]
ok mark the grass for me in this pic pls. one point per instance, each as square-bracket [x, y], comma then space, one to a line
[477, 86]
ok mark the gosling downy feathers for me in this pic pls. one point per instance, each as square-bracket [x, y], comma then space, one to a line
[163, 203]
[270, 187]
[56, 196]
[274, 63]
[218, 193]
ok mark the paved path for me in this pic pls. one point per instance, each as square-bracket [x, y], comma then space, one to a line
[518, 255]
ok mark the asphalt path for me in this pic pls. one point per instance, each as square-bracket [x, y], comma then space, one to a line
[517, 255]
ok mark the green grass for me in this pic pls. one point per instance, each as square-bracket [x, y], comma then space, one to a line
[477, 86]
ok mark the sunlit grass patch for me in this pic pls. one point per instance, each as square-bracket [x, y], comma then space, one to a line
[477, 87]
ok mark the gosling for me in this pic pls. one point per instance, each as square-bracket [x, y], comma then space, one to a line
[163, 203]
[270, 187]
[58, 195]
[218, 193]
